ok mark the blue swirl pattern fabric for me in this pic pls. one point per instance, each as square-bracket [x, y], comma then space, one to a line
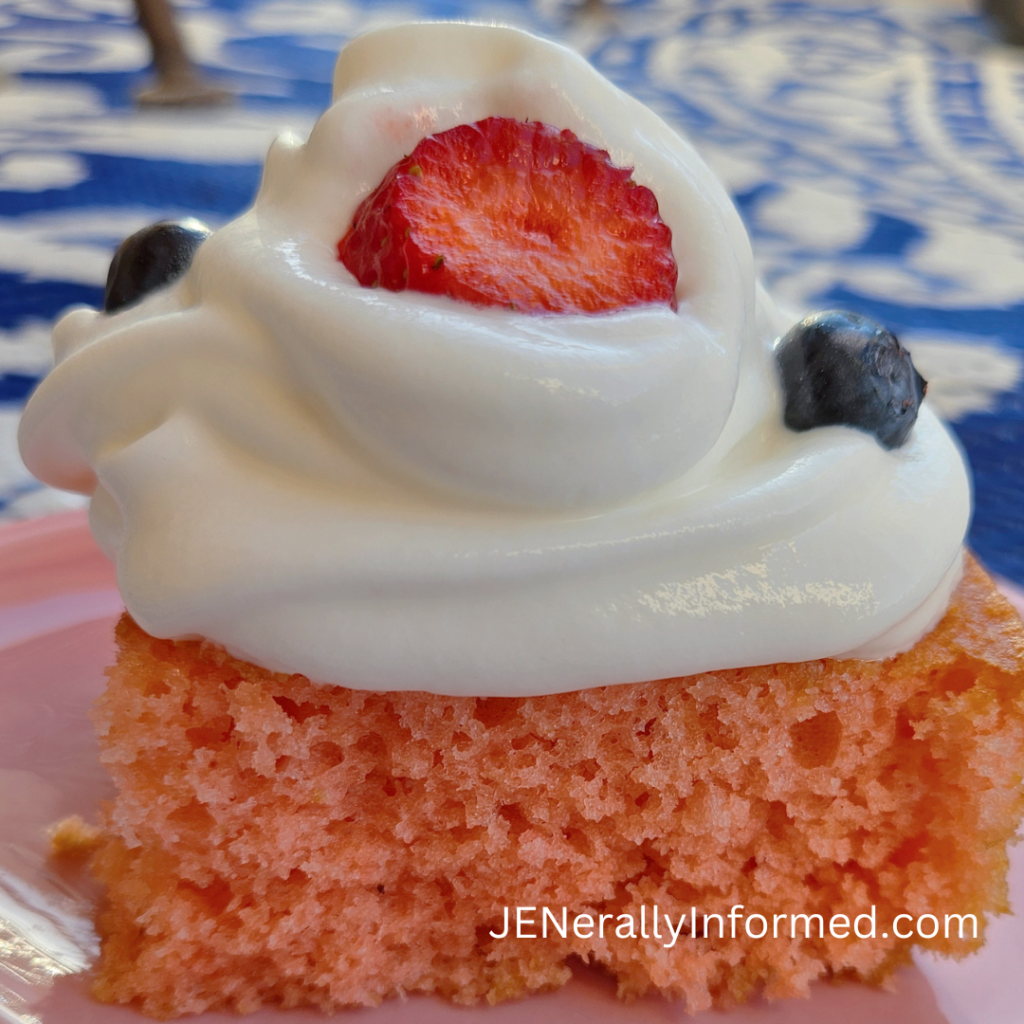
[875, 152]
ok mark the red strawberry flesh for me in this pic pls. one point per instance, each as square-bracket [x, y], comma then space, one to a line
[515, 214]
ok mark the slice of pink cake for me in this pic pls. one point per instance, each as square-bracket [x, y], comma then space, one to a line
[277, 843]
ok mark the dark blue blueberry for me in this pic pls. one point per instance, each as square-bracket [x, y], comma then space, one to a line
[151, 258]
[839, 367]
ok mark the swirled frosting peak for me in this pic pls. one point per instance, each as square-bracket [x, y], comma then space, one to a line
[400, 491]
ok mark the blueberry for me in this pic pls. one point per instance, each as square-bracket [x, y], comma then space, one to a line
[839, 367]
[151, 258]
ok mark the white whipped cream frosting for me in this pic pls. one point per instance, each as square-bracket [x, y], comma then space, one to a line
[398, 491]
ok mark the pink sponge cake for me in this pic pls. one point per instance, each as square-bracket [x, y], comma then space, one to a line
[509, 582]
[281, 843]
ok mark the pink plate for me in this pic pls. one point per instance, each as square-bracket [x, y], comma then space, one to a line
[58, 605]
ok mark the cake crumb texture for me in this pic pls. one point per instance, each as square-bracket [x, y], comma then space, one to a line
[279, 843]
[73, 838]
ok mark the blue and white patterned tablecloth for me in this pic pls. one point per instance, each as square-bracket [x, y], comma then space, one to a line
[876, 153]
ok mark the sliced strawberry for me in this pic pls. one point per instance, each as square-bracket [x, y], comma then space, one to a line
[507, 213]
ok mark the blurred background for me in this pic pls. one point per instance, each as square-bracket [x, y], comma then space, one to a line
[876, 152]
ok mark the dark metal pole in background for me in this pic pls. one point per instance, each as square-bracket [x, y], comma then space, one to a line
[1008, 17]
[178, 81]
